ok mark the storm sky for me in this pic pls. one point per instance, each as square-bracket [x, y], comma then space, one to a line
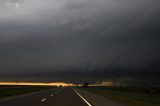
[60, 39]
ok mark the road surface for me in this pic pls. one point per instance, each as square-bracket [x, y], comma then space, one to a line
[62, 97]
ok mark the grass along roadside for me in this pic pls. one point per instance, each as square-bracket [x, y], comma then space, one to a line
[17, 90]
[134, 98]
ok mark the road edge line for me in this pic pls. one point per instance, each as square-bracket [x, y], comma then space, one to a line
[82, 97]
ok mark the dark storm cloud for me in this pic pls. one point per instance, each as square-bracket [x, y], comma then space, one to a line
[47, 37]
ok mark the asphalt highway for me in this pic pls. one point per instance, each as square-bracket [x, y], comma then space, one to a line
[59, 97]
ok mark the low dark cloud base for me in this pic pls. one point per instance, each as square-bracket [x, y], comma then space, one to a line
[76, 40]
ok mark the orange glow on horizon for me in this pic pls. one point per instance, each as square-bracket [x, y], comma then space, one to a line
[37, 83]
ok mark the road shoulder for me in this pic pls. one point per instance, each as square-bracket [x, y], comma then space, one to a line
[97, 100]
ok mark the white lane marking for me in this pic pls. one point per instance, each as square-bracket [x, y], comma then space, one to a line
[43, 100]
[17, 97]
[82, 98]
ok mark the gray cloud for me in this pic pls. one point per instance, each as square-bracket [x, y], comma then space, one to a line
[83, 35]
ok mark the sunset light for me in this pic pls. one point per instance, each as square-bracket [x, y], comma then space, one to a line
[37, 83]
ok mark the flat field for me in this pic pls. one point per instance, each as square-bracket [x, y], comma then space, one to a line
[135, 96]
[6, 91]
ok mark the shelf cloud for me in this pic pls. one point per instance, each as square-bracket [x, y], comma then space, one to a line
[88, 36]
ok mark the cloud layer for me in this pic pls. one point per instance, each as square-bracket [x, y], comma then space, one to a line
[80, 35]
